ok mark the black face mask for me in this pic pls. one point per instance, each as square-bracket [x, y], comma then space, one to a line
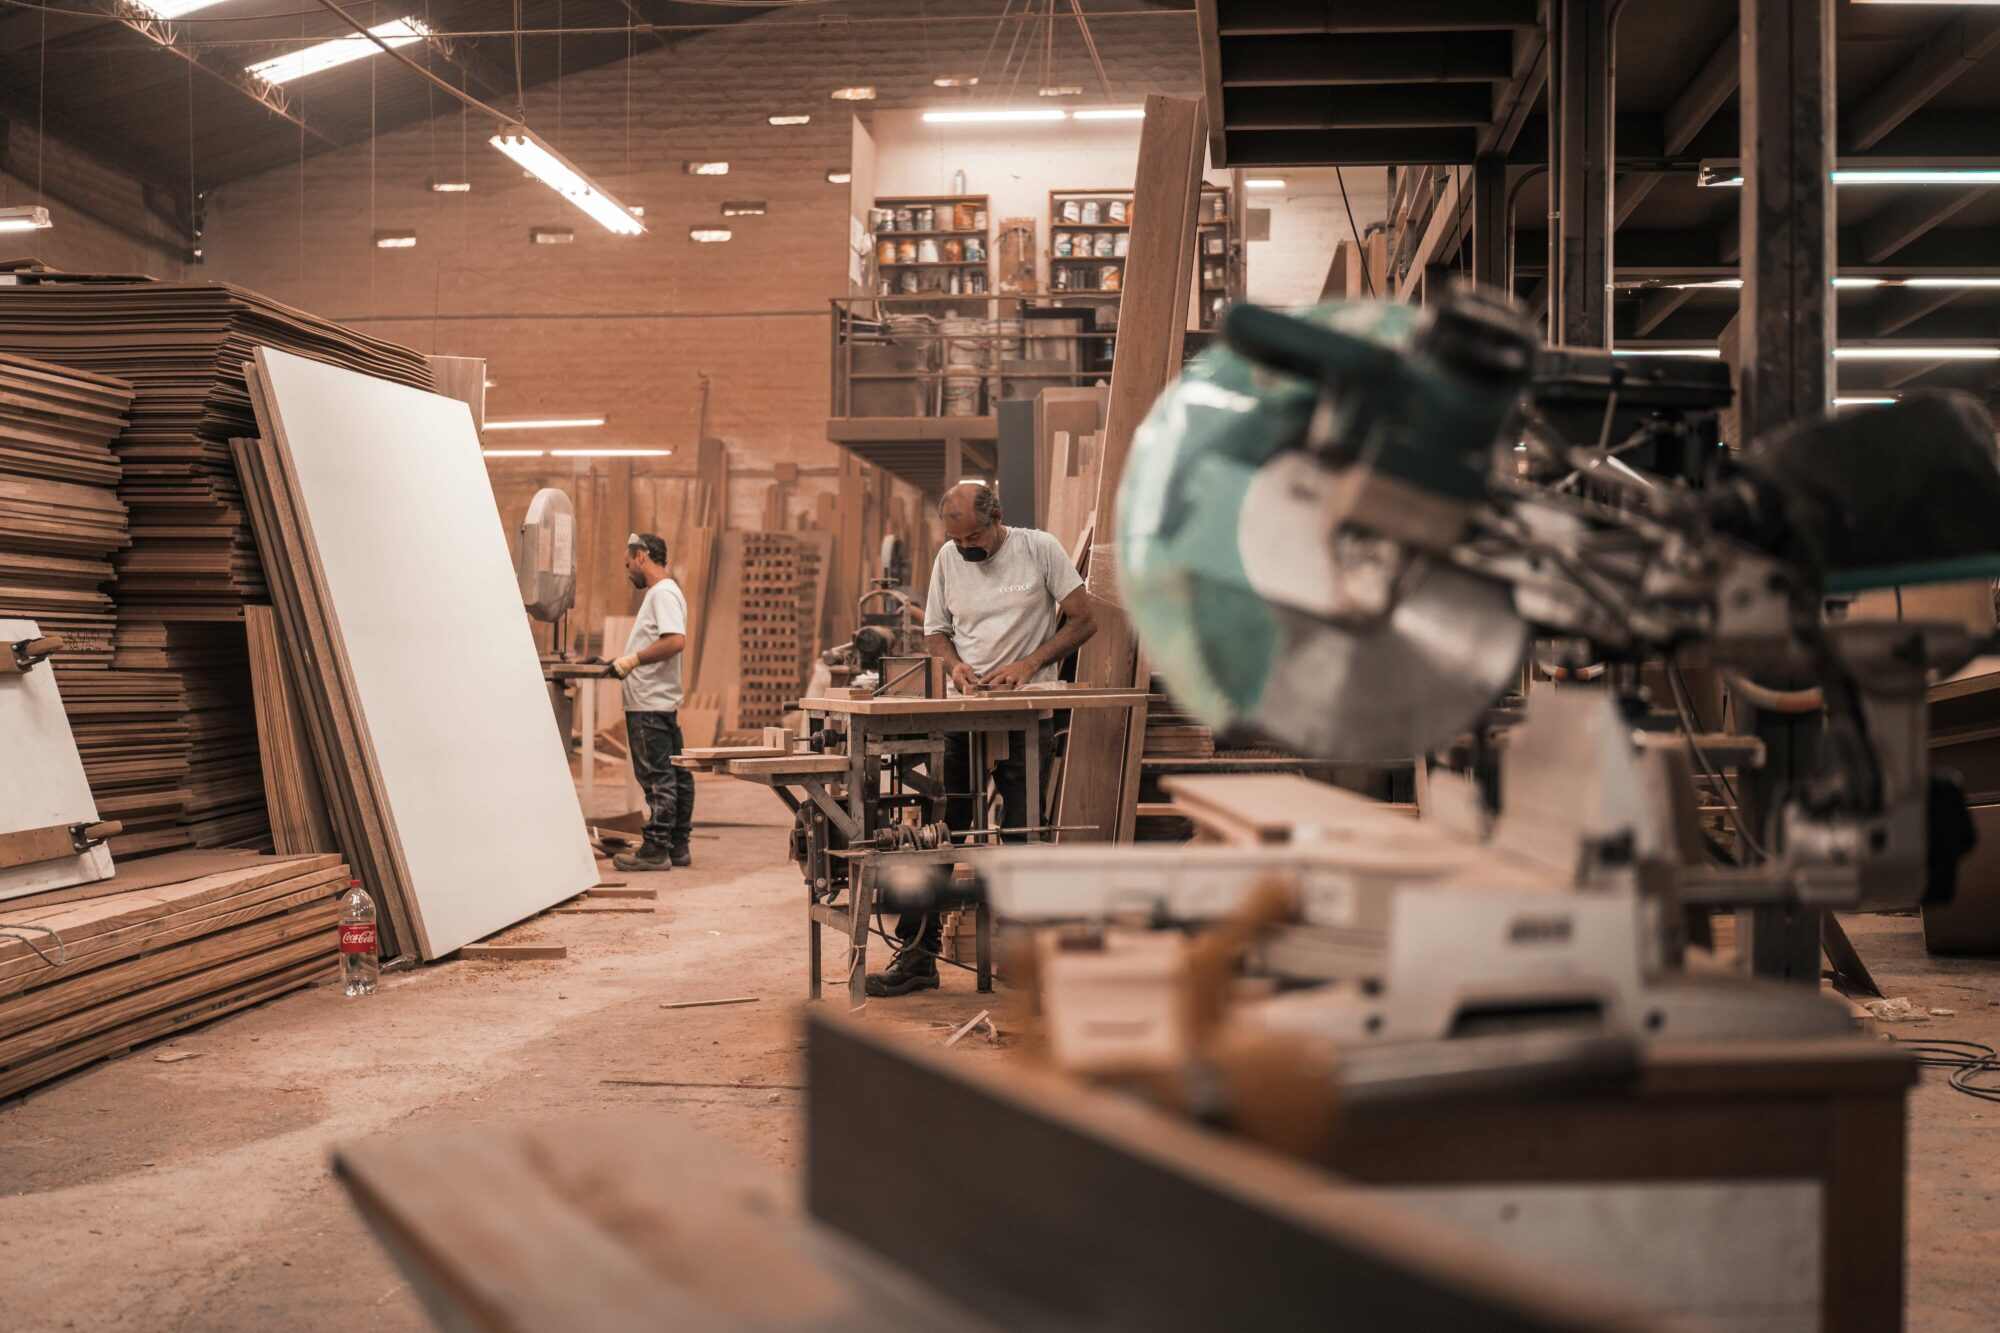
[975, 554]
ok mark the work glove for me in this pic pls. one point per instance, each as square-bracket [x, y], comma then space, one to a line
[626, 665]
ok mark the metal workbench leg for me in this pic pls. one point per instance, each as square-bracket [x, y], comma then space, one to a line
[813, 962]
[983, 946]
[1032, 816]
[861, 893]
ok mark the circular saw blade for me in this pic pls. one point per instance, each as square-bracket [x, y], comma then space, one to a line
[1399, 688]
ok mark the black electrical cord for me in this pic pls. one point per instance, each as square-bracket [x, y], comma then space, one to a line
[1968, 1061]
[1367, 282]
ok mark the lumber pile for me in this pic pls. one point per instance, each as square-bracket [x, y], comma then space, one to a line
[165, 944]
[168, 734]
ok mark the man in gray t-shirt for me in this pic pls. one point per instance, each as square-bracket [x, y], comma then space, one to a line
[1006, 606]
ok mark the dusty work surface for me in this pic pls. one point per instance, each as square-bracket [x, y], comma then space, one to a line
[193, 1193]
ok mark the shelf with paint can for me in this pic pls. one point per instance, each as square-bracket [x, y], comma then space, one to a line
[931, 245]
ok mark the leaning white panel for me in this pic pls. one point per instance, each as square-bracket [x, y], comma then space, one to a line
[439, 656]
[41, 777]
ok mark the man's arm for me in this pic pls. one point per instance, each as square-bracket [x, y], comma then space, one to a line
[1079, 623]
[659, 650]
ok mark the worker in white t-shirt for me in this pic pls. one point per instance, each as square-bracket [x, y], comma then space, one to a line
[651, 670]
[1006, 606]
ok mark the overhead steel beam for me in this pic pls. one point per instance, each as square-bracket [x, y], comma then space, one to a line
[1480, 57]
[1353, 148]
[1282, 18]
[1377, 106]
[1901, 307]
[1950, 52]
[1706, 93]
[1784, 364]
[1583, 173]
[1921, 212]
[271, 96]
[1516, 98]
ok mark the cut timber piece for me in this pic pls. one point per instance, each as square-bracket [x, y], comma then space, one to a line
[399, 529]
[514, 952]
[1101, 779]
[42, 784]
[585, 907]
[620, 891]
[299, 822]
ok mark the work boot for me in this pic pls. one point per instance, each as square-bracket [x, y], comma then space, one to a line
[911, 969]
[679, 853]
[647, 856]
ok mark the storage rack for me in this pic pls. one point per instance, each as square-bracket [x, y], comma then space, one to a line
[934, 275]
[1211, 273]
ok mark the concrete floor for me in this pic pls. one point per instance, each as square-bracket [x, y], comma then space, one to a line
[151, 1195]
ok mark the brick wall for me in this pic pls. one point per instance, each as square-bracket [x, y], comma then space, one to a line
[119, 233]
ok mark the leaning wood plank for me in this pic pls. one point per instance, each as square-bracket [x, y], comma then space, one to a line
[485, 820]
[601, 909]
[1152, 323]
[291, 785]
[513, 952]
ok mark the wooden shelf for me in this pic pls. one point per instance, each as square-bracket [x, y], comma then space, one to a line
[1090, 226]
[892, 235]
[1088, 259]
[933, 263]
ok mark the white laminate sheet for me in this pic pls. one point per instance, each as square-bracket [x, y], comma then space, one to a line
[437, 648]
[41, 777]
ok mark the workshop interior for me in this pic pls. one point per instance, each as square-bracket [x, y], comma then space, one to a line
[1361, 638]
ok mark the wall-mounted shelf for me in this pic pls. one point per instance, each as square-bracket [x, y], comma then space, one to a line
[930, 278]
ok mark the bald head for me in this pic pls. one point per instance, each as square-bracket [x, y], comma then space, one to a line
[970, 512]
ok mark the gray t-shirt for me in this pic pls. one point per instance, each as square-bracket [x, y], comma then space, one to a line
[1004, 607]
[655, 687]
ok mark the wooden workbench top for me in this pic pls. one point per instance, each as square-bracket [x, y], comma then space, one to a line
[999, 701]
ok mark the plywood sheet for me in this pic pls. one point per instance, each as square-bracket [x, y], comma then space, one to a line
[41, 777]
[401, 529]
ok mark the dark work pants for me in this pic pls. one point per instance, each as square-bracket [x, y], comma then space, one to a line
[961, 810]
[655, 739]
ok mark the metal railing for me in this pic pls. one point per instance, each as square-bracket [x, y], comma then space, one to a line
[963, 355]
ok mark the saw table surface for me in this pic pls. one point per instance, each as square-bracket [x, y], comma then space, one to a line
[997, 701]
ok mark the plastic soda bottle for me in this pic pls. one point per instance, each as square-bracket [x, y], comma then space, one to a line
[359, 964]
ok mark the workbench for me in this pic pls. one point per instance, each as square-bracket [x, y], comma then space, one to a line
[870, 759]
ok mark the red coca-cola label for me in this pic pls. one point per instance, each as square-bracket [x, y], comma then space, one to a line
[358, 937]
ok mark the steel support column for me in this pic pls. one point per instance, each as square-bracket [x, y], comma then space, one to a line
[1582, 127]
[1490, 239]
[1786, 324]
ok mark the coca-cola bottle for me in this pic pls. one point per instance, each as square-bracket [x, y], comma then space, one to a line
[359, 965]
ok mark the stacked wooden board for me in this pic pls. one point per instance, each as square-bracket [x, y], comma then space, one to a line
[168, 735]
[390, 576]
[167, 943]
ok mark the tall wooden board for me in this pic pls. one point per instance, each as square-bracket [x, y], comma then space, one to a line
[399, 524]
[41, 779]
[1151, 329]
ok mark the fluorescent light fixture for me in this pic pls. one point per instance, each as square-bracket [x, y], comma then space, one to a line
[551, 235]
[395, 240]
[451, 187]
[1860, 282]
[789, 120]
[1110, 113]
[340, 51]
[1733, 176]
[835, 176]
[1944, 353]
[859, 93]
[561, 175]
[1060, 90]
[1264, 183]
[637, 210]
[491, 383]
[709, 235]
[744, 208]
[955, 81]
[173, 9]
[545, 423]
[512, 453]
[609, 453]
[1950, 282]
[1863, 402]
[996, 116]
[705, 168]
[25, 217]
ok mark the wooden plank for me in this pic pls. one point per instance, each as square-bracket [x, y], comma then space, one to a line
[1151, 323]
[42, 783]
[512, 952]
[485, 818]
[292, 794]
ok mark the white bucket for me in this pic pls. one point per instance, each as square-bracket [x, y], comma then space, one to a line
[961, 395]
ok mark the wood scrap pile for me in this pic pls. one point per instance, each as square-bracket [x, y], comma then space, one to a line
[165, 944]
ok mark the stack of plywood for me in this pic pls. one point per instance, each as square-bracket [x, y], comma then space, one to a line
[163, 945]
[174, 742]
[386, 558]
